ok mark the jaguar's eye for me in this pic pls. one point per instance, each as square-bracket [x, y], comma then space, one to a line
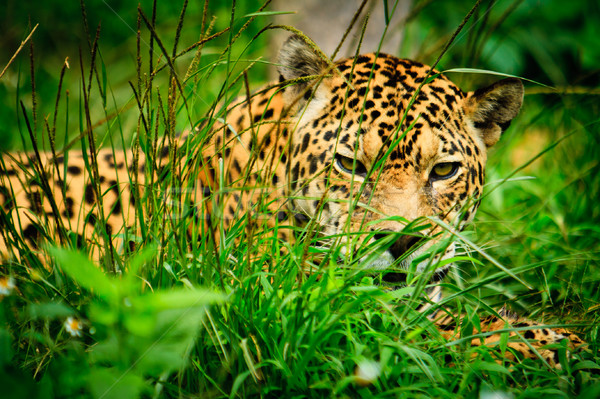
[444, 170]
[348, 165]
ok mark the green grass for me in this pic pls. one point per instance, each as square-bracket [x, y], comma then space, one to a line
[187, 317]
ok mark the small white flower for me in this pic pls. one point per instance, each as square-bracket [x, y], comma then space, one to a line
[73, 326]
[366, 372]
[7, 285]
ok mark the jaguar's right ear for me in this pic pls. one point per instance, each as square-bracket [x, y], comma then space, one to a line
[491, 109]
[297, 59]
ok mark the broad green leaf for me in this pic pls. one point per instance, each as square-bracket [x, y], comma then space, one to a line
[88, 276]
[585, 365]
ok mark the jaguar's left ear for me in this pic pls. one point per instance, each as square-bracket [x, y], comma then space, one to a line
[492, 109]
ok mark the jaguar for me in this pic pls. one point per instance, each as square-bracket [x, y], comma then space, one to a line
[371, 152]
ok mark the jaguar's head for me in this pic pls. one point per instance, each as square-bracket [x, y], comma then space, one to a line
[382, 144]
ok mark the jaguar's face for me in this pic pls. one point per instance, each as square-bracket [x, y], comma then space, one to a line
[375, 151]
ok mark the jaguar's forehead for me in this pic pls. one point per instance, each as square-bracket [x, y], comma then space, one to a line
[379, 98]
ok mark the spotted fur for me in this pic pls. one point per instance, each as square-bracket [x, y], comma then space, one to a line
[50, 194]
[524, 338]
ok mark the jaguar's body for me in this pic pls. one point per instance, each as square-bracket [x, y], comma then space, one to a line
[361, 148]
[75, 192]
